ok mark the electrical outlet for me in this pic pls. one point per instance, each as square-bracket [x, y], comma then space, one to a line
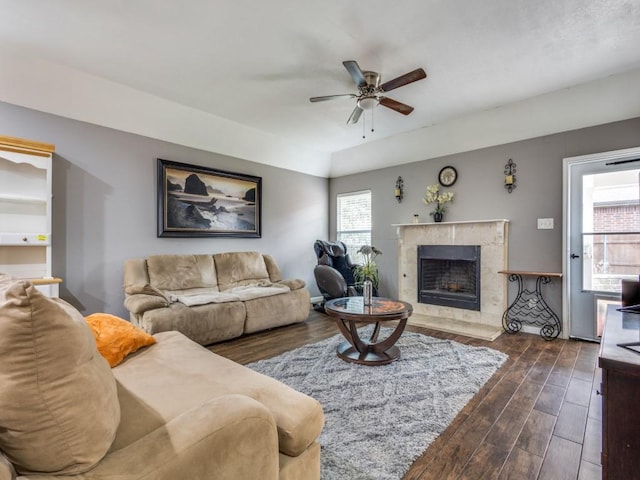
[545, 224]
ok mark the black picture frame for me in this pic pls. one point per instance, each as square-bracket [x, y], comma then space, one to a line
[196, 201]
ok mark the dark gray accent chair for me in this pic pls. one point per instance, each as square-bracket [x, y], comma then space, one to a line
[334, 272]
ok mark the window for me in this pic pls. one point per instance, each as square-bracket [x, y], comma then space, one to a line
[354, 221]
[611, 230]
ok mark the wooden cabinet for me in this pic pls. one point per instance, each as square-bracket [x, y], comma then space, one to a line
[620, 396]
[25, 211]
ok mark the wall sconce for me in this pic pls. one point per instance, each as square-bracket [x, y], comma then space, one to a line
[398, 190]
[510, 176]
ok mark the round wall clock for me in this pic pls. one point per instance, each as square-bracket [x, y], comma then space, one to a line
[447, 176]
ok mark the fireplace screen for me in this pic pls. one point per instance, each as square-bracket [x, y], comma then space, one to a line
[449, 275]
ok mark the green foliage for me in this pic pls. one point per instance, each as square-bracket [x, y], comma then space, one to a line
[368, 269]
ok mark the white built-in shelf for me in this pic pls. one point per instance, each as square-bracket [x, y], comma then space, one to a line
[25, 211]
[25, 239]
[9, 198]
[44, 280]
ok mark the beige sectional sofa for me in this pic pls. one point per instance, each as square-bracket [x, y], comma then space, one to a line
[211, 298]
[172, 410]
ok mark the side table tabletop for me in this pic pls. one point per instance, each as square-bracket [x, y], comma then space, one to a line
[349, 311]
[529, 307]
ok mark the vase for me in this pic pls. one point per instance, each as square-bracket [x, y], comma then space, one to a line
[367, 291]
[437, 217]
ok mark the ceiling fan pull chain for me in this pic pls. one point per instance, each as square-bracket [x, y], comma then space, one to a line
[372, 119]
[364, 121]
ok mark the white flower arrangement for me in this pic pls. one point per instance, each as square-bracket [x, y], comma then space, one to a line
[433, 195]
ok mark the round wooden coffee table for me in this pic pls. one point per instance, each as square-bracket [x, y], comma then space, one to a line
[349, 311]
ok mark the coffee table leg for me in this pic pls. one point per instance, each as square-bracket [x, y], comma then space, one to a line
[391, 339]
[357, 351]
[351, 334]
[357, 343]
[374, 335]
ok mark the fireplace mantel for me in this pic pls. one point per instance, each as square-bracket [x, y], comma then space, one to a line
[492, 237]
[435, 224]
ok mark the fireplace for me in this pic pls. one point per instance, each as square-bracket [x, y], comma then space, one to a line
[449, 275]
[493, 238]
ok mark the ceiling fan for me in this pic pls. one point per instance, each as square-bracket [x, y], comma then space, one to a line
[370, 92]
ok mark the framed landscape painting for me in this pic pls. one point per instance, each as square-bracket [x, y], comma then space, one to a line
[196, 201]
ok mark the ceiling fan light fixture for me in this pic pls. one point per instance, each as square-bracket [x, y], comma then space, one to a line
[368, 103]
[370, 91]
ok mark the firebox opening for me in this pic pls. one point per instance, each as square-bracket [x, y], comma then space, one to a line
[449, 275]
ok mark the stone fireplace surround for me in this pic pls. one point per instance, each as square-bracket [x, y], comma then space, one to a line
[492, 236]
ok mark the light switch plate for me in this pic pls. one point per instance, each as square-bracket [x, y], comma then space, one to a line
[545, 224]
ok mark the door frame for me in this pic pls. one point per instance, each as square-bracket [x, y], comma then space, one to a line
[568, 163]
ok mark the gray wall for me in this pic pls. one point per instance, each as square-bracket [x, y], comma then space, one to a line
[105, 202]
[104, 206]
[480, 195]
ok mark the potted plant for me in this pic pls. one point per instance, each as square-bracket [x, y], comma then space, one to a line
[368, 269]
[433, 195]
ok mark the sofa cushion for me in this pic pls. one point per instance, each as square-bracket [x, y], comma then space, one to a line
[59, 409]
[180, 272]
[116, 338]
[204, 324]
[176, 374]
[240, 268]
[277, 310]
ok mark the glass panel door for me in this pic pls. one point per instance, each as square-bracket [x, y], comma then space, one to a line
[604, 238]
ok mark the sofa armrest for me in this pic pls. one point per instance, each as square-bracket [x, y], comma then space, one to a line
[146, 288]
[275, 275]
[227, 438]
[142, 302]
[293, 284]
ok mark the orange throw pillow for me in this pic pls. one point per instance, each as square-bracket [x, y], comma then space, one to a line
[116, 338]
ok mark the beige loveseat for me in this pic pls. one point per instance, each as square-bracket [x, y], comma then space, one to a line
[211, 298]
[173, 410]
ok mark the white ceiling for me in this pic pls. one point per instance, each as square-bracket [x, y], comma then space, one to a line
[255, 63]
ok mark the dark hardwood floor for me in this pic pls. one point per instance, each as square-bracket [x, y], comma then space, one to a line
[538, 417]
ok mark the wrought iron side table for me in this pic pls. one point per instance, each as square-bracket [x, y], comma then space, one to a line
[529, 307]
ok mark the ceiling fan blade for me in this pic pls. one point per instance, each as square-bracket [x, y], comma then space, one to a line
[355, 72]
[355, 115]
[395, 105]
[417, 74]
[331, 97]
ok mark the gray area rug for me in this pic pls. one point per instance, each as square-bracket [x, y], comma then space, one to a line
[379, 419]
